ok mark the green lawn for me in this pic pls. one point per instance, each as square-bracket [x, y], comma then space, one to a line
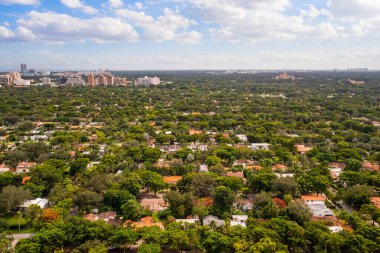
[13, 221]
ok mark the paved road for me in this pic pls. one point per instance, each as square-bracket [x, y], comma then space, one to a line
[17, 237]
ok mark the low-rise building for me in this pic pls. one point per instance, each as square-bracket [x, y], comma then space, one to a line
[154, 204]
[316, 205]
[242, 137]
[25, 167]
[259, 146]
[239, 220]
[203, 168]
[4, 168]
[172, 179]
[303, 148]
[211, 219]
[42, 203]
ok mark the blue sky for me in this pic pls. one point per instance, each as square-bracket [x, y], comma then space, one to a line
[189, 34]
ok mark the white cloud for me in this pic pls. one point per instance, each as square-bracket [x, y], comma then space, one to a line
[360, 17]
[169, 26]
[258, 20]
[311, 12]
[55, 27]
[6, 34]
[139, 5]
[116, 3]
[77, 4]
[22, 2]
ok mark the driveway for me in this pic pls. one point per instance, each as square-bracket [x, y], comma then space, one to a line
[18, 237]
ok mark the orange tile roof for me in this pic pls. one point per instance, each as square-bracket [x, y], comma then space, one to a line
[302, 148]
[376, 201]
[25, 179]
[313, 198]
[238, 174]
[254, 167]
[193, 131]
[279, 167]
[144, 222]
[91, 217]
[370, 166]
[172, 179]
[26, 164]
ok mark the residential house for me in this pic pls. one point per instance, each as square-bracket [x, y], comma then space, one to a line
[189, 220]
[211, 219]
[193, 131]
[239, 220]
[172, 179]
[281, 175]
[42, 203]
[376, 201]
[238, 174]
[242, 138]
[303, 148]
[24, 167]
[203, 168]
[259, 146]
[4, 168]
[161, 163]
[147, 221]
[279, 167]
[198, 146]
[154, 204]
[40, 137]
[109, 217]
[316, 205]
[370, 166]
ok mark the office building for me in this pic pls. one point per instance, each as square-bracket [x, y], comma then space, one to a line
[110, 80]
[46, 80]
[5, 79]
[102, 80]
[75, 80]
[91, 79]
[24, 68]
[148, 81]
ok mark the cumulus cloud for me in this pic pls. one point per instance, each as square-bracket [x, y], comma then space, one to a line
[171, 25]
[360, 17]
[6, 34]
[115, 3]
[22, 2]
[258, 20]
[55, 27]
[77, 4]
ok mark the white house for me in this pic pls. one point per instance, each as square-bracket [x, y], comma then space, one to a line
[210, 219]
[190, 221]
[24, 167]
[42, 203]
[4, 168]
[203, 168]
[242, 137]
[335, 229]
[259, 146]
[239, 220]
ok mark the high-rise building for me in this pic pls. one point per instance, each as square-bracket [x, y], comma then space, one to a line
[148, 81]
[5, 79]
[155, 80]
[46, 80]
[102, 80]
[91, 79]
[110, 80]
[24, 68]
[75, 80]
[14, 76]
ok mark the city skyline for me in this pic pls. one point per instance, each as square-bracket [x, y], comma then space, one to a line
[189, 34]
